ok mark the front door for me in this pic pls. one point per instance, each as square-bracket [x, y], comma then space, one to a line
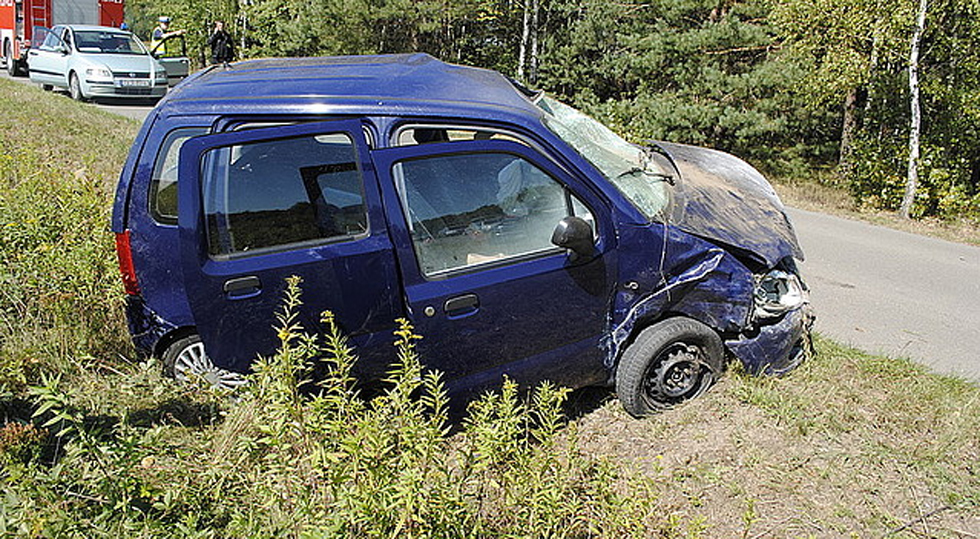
[260, 205]
[490, 295]
[46, 58]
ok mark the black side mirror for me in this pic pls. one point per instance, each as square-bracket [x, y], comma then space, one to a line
[574, 234]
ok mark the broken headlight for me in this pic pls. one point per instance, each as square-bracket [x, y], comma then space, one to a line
[778, 292]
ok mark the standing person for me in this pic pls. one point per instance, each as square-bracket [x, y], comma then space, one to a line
[161, 33]
[222, 48]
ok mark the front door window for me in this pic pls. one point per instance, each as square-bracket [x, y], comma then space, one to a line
[468, 210]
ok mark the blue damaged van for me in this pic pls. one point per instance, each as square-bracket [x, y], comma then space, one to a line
[520, 236]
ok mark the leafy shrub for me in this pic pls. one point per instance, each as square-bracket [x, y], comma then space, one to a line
[20, 442]
[879, 176]
[61, 289]
[302, 459]
[58, 274]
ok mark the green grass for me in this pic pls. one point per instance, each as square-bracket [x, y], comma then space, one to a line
[850, 444]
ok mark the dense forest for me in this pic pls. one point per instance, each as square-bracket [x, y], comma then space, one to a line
[881, 97]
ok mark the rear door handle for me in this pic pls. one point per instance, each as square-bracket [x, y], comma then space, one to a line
[461, 305]
[242, 287]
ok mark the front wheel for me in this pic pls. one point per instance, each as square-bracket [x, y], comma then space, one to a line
[187, 361]
[75, 88]
[670, 362]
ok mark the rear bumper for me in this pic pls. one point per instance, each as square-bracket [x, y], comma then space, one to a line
[145, 326]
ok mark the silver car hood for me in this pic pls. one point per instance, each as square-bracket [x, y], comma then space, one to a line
[722, 198]
[124, 63]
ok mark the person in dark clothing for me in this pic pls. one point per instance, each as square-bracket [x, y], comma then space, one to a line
[222, 48]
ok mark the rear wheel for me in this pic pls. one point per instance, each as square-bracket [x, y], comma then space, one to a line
[75, 88]
[670, 362]
[186, 360]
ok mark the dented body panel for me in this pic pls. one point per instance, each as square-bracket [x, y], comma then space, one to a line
[696, 279]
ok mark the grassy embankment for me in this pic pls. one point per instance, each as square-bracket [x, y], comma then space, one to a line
[849, 444]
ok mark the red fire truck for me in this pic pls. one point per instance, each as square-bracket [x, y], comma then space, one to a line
[19, 17]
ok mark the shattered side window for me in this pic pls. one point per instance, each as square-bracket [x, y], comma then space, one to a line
[280, 193]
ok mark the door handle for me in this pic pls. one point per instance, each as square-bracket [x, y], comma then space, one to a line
[461, 305]
[242, 287]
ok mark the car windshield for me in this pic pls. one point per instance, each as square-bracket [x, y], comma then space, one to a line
[628, 166]
[103, 42]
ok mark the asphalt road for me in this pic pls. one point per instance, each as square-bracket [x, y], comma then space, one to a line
[892, 292]
[878, 289]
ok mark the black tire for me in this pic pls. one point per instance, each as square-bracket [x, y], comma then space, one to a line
[47, 87]
[186, 360]
[670, 362]
[75, 88]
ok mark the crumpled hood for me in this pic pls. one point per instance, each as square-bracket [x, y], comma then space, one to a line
[720, 197]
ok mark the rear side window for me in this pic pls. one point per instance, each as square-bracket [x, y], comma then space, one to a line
[270, 195]
[163, 184]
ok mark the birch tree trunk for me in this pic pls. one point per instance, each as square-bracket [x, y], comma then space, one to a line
[535, 23]
[912, 182]
[525, 42]
[848, 128]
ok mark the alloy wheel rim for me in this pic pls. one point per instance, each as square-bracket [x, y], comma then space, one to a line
[193, 364]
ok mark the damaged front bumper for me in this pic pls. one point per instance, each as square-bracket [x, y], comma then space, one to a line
[777, 348]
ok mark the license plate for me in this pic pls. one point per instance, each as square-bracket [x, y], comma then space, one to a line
[134, 82]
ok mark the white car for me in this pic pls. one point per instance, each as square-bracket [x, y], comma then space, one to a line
[95, 61]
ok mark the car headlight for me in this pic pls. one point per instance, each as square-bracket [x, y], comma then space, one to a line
[98, 73]
[778, 292]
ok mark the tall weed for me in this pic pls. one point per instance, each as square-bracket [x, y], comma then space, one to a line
[59, 289]
[298, 458]
[58, 279]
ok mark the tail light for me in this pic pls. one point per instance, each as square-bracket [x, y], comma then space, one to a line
[125, 254]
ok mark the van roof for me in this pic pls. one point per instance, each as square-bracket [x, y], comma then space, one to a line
[399, 84]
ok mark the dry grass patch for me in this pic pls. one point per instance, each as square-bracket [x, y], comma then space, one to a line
[848, 445]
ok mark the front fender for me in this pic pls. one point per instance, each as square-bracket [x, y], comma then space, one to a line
[714, 289]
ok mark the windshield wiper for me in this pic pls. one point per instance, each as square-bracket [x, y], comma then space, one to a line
[658, 175]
